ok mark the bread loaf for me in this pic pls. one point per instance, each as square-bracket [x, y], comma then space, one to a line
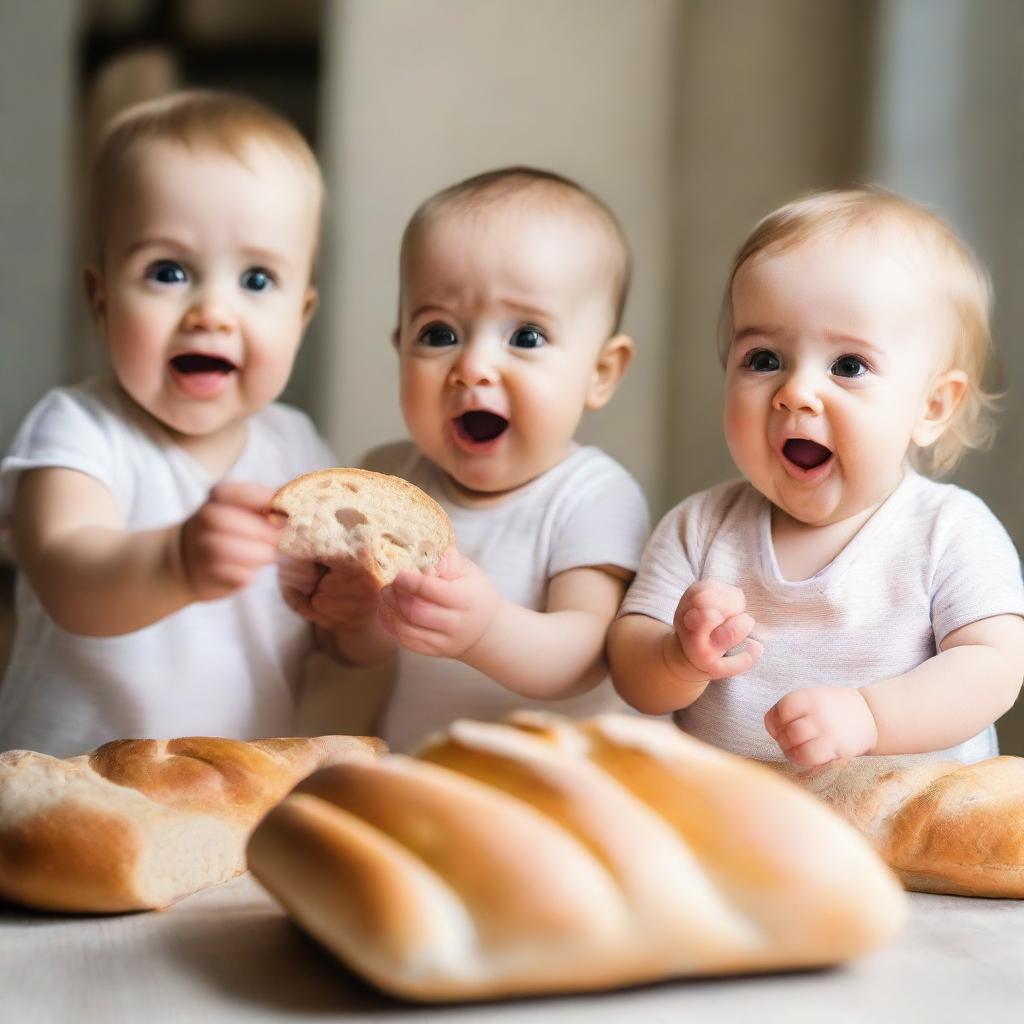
[541, 856]
[942, 827]
[381, 523]
[137, 824]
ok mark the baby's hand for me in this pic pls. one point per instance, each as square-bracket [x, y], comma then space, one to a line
[342, 595]
[443, 613]
[822, 724]
[710, 620]
[225, 543]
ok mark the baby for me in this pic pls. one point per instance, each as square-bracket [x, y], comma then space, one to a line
[147, 600]
[835, 602]
[512, 288]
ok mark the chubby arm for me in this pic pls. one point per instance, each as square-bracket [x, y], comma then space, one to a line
[658, 668]
[95, 578]
[973, 680]
[456, 612]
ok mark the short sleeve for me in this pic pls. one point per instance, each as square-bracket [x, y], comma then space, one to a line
[667, 567]
[605, 520]
[977, 570]
[65, 429]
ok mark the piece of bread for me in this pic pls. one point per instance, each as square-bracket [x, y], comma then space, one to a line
[137, 824]
[381, 523]
[541, 856]
[943, 827]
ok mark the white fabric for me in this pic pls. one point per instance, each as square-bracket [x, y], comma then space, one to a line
[585, 511]
[225, 668]
[931, 559]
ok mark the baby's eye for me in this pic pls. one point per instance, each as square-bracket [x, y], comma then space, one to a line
[438, 336]
[761, 360]
[256, 279]
[528, 337]
[849, 367]
[166, 272]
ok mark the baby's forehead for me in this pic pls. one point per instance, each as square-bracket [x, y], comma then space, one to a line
[518, 228]
[500, 217]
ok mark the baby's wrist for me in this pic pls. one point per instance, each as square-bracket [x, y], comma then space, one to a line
[679, 667]
[477, 654]
[175, 563]
[870, 721]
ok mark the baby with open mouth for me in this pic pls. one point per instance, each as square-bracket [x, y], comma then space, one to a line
[512, 286]
[835, 602]
[146, 489]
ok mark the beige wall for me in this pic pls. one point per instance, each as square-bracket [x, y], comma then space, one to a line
[37, 261]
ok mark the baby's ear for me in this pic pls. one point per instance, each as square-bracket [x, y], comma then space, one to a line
[612, 362]
[95, 294]
[395, 339]
[309, 304]
[944, 396]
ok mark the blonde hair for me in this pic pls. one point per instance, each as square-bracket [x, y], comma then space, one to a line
[197, 119]
[519, 181]
[957, 275]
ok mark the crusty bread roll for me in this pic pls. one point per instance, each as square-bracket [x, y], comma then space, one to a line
[542, 856]
[943, 827]
[382, 523]
[137, 824]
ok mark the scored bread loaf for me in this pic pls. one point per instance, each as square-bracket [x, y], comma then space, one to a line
[382, 523]
[540, 856]
[137, 824]
[943, 827]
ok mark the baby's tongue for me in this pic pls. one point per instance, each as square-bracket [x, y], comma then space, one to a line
[806, 454]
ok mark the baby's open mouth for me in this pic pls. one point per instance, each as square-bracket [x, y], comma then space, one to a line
[806, 454]
[196, 362]
[479, 426]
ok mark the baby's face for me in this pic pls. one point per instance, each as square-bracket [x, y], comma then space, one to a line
[504, 312]
[836, 342]
[204, 288]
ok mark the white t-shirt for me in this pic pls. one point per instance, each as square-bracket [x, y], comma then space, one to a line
[224, 668]
[585, 511]
[931, 559]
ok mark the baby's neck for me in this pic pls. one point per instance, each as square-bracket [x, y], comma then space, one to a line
[802, 550]
[466, 497]
[217, 452]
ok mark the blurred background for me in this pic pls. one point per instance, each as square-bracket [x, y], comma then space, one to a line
[692, 118]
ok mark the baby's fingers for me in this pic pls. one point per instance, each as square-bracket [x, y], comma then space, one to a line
[413, 609]
[732, 632]
[436, 590]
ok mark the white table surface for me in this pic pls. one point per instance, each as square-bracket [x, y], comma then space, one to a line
[229, 954]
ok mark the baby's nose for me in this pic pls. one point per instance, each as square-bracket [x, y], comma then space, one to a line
[798, 392]
[475, 365]
[208, 313]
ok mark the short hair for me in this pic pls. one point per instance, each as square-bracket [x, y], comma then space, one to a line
[957, 274]
[521, 181]
[220, 122]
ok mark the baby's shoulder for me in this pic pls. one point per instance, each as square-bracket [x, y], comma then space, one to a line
[715, 504]
[939, 505]
[397, 458]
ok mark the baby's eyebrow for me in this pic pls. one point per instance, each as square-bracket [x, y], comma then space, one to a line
[156, 242]
[756, 330]
[262, 255]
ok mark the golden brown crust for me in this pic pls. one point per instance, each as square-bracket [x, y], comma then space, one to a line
[944, 827]
[140, 823]
[551, 856]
